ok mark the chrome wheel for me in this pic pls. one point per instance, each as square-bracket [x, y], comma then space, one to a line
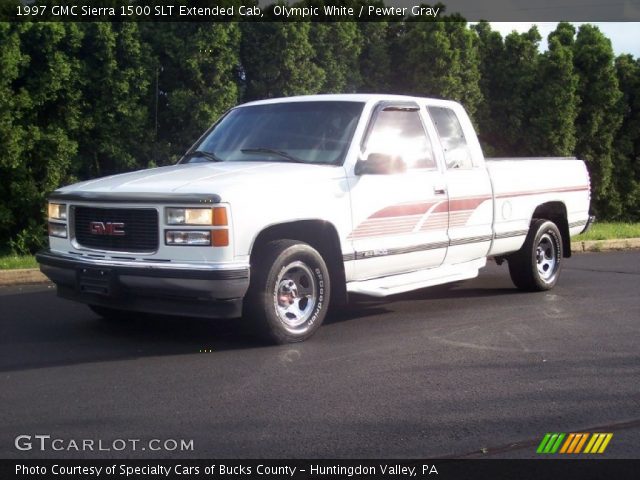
[536, 266]
[295, 294]
[547, 257]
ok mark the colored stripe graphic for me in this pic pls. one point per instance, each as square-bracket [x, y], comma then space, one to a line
[581, 443]
[550, 443]
[435, 214]
[598, 442]
[544, 441]
[565, 447]
[574, 443]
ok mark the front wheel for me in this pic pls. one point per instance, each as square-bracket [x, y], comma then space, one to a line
[536, 266]
[289, 292]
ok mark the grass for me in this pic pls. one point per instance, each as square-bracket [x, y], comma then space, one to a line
[8, 262]
[609, 231]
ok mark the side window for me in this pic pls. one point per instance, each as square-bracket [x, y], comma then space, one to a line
[399, 132]
[456, 150]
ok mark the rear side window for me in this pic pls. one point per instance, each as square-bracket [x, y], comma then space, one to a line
[400, 132]
[456, 150]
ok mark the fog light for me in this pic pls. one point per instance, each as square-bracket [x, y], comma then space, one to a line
[57, 230]
[187, 237]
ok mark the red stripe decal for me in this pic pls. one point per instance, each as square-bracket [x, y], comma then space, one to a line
[470, 203]
[402, 218]
[403, 210]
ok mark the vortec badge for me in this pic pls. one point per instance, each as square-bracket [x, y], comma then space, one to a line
[107, 228]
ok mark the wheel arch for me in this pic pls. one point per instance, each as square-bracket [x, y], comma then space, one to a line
[556, 211]
[321, 235]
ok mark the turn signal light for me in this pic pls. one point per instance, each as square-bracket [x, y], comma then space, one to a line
[220, 238]
[220, 217]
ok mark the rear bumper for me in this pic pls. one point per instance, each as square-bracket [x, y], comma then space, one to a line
[200, 290]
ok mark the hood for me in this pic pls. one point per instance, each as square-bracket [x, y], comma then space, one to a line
[209, 178]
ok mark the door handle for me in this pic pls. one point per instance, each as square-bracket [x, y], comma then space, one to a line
[439, 191]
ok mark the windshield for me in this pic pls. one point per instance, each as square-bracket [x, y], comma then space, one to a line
[302, 132]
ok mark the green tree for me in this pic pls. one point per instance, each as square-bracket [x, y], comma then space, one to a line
[465, 43]
[12, 132]
[508, 71]
[45, 115]
[518, 79]
[428, 64]
[492, 81]
[278, 59]
[600, 116]
[115, 83]
[337, 47]
[565, 34]
[438, 59]
[375, 60]
[196, 68]
[626, 166]
[555, 100]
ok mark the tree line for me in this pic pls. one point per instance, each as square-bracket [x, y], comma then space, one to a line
[83, 100]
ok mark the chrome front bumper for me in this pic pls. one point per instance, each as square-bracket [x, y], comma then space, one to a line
[204, 290]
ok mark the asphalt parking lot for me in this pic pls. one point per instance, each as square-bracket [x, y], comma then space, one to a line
[476, 369]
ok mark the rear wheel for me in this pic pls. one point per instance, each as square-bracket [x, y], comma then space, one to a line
[289, 292]
[536, 266]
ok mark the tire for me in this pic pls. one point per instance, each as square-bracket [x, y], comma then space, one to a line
[536, 266]
[289, 293]
[111, 314]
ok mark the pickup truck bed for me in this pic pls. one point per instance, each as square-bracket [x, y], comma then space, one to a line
[560, 182]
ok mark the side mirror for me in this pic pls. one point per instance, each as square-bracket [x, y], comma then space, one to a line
[380, 164]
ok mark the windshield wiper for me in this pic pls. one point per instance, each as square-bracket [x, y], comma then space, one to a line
[212, 157]
[279, 153]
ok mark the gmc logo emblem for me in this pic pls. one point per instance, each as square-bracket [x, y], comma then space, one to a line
[107, 228]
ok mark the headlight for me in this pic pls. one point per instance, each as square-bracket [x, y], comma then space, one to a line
[188, 237]
[189, 216]
[57, 230]
[58, 211]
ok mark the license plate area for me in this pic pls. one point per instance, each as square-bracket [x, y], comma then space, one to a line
[99, 281]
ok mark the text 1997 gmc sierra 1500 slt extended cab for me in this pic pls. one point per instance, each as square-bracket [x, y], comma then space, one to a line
[287, 205]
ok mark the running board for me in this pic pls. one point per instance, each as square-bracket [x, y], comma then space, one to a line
[405, 282]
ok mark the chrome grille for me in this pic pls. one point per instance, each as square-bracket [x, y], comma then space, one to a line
[140, 228]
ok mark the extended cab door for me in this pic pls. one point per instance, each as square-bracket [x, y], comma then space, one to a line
[469, 185]
[398, 195]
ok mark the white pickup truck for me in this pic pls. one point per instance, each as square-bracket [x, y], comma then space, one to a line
[288, 205]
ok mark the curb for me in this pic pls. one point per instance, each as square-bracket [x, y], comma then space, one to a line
[34, 275]
[605, 245]
[21, 276]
